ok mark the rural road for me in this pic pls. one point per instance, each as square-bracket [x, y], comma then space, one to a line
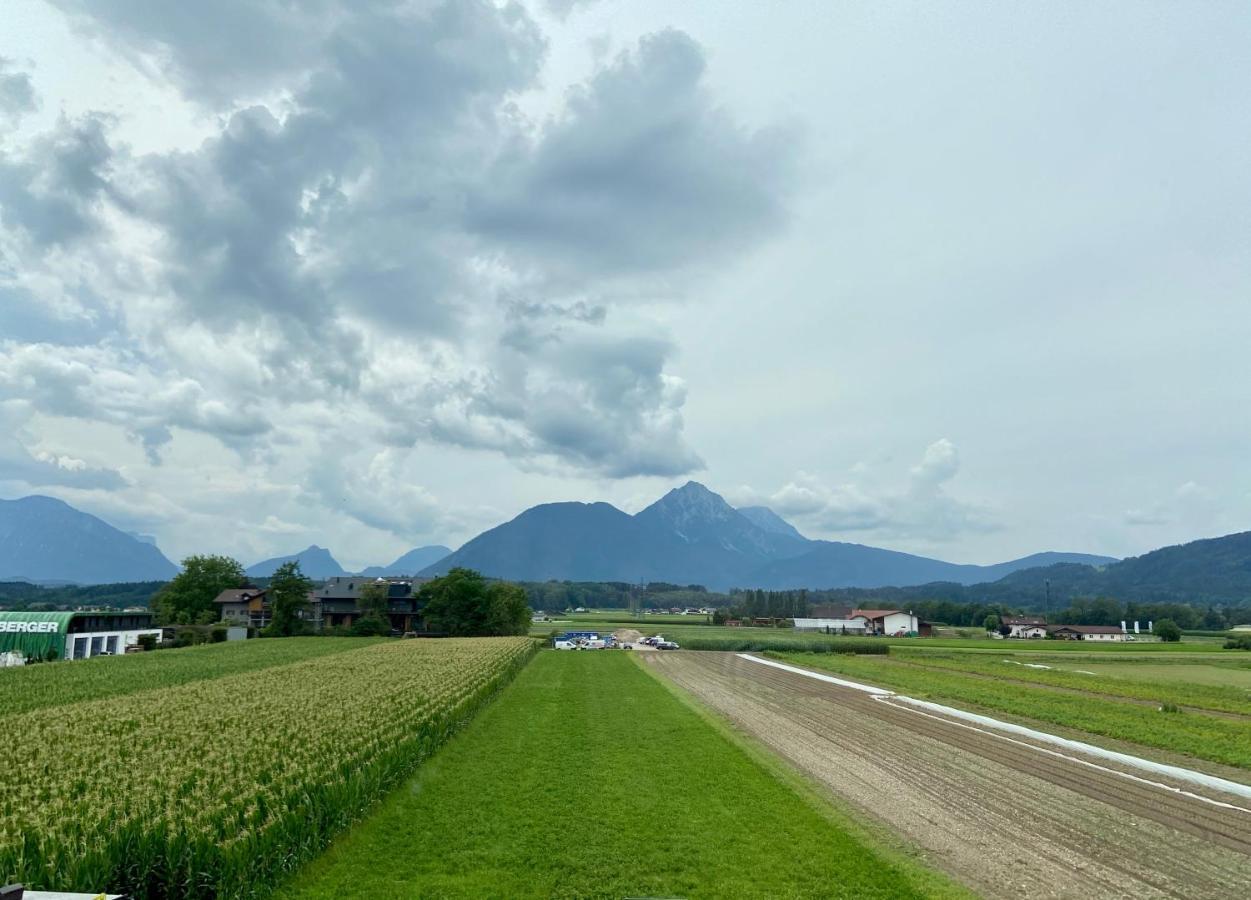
[1002, 816]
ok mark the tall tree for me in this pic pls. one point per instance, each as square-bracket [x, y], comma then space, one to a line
[373, 600]
[288, 597]
[188, 598]
[507, 611]
[461, 603]
[374, 604]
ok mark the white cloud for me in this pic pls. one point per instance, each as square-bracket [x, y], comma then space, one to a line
[922, 509]
[374, 252]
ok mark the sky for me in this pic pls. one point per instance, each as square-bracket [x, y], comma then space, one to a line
[971, 280]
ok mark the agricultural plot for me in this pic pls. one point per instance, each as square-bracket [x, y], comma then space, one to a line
[687, 629]
[1008, 815]
[58, 684]
[1203, 735]
[588, 778]
[1215, 684]
[212, 788]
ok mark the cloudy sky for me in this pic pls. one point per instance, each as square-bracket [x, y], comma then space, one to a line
[971, 280]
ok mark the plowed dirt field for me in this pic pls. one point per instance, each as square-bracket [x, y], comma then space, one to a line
[1002, 816]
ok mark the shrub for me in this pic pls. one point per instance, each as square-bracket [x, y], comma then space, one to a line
[1167, 630]
[371, 626]
[147, 641]
[1238, 642]
[759, 645]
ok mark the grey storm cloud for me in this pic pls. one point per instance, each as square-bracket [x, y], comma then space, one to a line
[642, 173]
[53, 192]
[17, 94]
[376, 242]
[216, 52]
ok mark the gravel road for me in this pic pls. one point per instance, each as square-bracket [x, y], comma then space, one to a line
[1003, 818]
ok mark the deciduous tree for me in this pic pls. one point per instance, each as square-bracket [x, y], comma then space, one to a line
[188, 598]
[288, 597]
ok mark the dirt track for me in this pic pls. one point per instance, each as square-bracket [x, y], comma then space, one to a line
[1004, 819]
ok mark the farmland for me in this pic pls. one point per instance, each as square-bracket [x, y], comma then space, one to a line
[40, 687]
[1002, 814]
[214, 786]
[589, 778]
[685, 629]
[1215, 726]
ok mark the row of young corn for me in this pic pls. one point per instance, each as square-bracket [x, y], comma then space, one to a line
[216, 788]
[27, 688]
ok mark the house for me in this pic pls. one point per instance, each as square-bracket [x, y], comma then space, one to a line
[73, 635]
[892, 622]
[1025, 627]
[1087, 633]
[245, 607]
[337, 602]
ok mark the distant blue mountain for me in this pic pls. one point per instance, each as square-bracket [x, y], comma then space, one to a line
[46, 540]
[315, 562]
[763, 517]
[692, 536]
[410, 563]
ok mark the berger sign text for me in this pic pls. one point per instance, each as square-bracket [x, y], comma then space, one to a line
[30, 627]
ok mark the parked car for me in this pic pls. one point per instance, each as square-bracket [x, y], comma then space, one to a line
[667, 645]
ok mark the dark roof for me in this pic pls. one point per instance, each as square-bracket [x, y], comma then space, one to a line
[830, 612]
[239, 595]
[1087, 629]
[348, 587]
[1023, 620]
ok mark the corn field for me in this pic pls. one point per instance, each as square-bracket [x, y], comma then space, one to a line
[218, 787]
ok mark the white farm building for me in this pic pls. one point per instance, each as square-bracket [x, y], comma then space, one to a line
[841, 620]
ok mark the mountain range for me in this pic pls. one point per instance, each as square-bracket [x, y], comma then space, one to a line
[689, 536]
[693, 536]
[317, 563]
[45, 540]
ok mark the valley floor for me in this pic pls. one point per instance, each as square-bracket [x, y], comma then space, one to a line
[1006, 815]
[590, 777]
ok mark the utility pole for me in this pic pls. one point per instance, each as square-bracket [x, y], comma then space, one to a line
[1047, 606]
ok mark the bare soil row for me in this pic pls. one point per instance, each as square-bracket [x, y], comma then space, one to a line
[1006, 819]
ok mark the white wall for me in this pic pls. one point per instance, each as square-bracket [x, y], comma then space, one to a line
[123, 639]
[835, 625]
[900, 622]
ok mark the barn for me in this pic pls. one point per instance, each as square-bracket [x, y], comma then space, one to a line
[72, 635]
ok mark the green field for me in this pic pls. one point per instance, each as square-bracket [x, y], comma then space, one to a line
[589, 778]
[683, 630]
[1125, 709]
[1187, 674]
[57, 684]
[1215, 683]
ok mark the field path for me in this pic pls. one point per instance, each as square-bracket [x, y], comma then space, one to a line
[1004, 818]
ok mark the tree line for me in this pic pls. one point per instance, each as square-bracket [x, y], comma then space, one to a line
[461, 603]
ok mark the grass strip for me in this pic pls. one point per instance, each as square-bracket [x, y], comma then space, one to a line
[588, 778]
[1221, 698]
[1197, 735]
